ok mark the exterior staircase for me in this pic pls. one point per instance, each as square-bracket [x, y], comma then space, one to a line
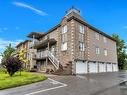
[53, 59]
[60, 69]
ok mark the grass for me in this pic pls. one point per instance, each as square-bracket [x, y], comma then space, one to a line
[26, 78]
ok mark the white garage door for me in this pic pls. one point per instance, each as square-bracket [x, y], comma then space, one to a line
[109, 67]
[115, 67]
[102, 67]
[81, 67]
[93, 68]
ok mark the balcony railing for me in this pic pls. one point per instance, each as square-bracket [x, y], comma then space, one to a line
[44, 43]
[41, 54]
[51, 57]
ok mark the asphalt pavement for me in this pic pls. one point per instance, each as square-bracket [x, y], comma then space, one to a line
[113, 83]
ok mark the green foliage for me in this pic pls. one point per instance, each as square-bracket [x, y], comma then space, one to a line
[9, 51]
[11, 64]
[121, 52]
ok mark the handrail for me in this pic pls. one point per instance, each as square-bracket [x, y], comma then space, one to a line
[53, 59]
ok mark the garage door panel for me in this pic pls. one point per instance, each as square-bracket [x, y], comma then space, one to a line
[93, 68]
[109, 67]
[81, 67]
[115, 67]
[102, 67]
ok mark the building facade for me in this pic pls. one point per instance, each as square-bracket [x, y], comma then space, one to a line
[27, 46]
[74, 47]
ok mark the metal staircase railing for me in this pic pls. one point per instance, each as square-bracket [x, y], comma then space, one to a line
[53, 59]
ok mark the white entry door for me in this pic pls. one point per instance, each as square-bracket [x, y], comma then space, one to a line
[109, 67]
[93, 68]
[102, 67]
[81, 67]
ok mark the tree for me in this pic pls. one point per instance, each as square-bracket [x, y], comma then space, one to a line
[9, 50]
[21, 56]
[121, 52]
[12, 64]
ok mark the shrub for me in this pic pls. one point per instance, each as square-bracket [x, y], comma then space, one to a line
[12, 65]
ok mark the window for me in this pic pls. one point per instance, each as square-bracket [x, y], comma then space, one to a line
[97, 36]
[64, 29]
[81, 46]
[64, 46]
[105, 39]
[97, 50]
[105, 52]
[64, 39]
[81, 37]
[81, 29]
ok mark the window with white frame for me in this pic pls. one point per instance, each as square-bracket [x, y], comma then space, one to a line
[64, 46]
[64, 29]
[105, 39]
[81, 46]
[81, 29]
[97, 50]
[97, 36]
[64, 38]
[105, 52]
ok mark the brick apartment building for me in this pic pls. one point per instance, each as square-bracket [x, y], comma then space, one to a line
[74, 47]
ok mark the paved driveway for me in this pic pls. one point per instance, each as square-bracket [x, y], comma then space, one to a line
[93, 84]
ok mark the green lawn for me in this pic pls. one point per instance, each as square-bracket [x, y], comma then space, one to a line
[26, 78]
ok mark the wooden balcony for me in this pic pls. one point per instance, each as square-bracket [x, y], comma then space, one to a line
[40, 55]
[44, 43]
